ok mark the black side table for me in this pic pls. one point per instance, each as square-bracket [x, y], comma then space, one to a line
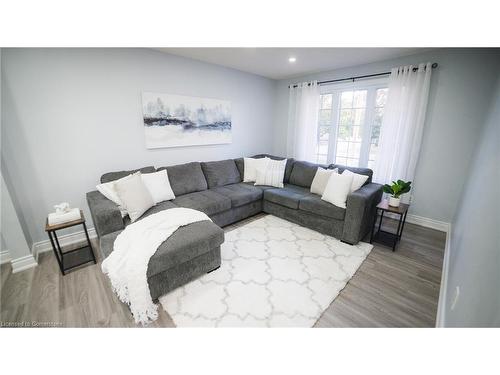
[382, 236]
[69, 260]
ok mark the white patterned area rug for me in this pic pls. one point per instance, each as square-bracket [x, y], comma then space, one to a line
[273, 274]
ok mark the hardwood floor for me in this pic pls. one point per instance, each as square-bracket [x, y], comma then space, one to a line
[399, 289]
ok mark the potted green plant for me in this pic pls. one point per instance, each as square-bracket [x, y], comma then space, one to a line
[397, 189]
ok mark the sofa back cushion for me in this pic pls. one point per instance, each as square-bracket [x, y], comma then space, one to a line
[303, 173]
[186, 178]
[221, 173]
[364, 171]
[113, 176]
[240, 164]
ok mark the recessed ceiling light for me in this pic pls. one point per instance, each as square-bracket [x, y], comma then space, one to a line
[292, 59]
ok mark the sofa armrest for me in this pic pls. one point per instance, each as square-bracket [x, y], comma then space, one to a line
[360, 212]
[105, 214]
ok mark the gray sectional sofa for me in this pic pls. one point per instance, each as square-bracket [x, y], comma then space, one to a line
[216, 188]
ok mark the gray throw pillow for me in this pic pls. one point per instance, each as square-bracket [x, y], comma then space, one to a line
[134, 195]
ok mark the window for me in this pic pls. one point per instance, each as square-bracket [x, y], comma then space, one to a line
[349, 123]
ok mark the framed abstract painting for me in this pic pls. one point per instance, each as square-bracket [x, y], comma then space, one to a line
[177, 120]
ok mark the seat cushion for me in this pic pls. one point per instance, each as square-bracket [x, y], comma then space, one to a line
[288, 197]
[240, 194]
[207, 201]
[153, 210]
[298, 189]
[186, 243]
[113, 176]
[303, 173]
[186, 178]
[314, 204]
[261, 187]
[221, 173]
[157, 208]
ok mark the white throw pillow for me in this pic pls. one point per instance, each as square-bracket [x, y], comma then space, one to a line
[357, 179]
[108, 190]
[337, 189]
[134, 195]
[158, 186]
[250, 168]
[320, 180]
[273, 174]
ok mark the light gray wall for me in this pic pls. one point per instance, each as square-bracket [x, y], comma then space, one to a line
[72, 114]
[474, 259]
[461, 89]
[11, 232]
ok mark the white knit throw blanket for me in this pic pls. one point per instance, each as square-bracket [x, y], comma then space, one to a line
[127, 265]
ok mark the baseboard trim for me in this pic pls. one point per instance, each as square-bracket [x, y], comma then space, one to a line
[64, 240]
[4, 257]
[428, 223]
[440, 316]
[77, 237]
[23, 263]
[441, 226]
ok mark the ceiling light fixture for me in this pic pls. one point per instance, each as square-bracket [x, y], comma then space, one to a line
[292, 59]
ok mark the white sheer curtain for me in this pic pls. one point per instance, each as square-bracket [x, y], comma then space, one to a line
[403, 123]
[303, 121]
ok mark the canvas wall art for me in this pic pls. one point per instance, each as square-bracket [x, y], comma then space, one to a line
[177, 120]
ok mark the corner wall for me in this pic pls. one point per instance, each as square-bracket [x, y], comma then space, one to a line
[70, 115]
[461, 90]
[474, 251]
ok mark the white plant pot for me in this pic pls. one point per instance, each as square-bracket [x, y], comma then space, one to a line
[394, 202]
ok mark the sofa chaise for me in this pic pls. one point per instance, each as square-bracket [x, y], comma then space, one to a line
[216, 188]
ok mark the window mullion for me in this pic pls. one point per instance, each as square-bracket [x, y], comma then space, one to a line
[332, 143]
[367, 128]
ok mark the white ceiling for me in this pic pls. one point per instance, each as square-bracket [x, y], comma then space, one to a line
[273, 62]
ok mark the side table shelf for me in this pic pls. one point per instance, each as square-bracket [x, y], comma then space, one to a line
[72, 259]
[382, 236]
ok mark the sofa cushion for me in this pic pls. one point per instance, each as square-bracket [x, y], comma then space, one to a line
[113, 176]
[187, 242]
[240, 194]
[207, 201]
[221, 173]
[186, 178]
[364, 171]
[288, 196]
[165, 205]
[261, 187]
[298, 189]
[303, 173]
[240, 164]
[314, 204]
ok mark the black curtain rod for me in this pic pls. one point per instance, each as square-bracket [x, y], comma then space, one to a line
[434, 65]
